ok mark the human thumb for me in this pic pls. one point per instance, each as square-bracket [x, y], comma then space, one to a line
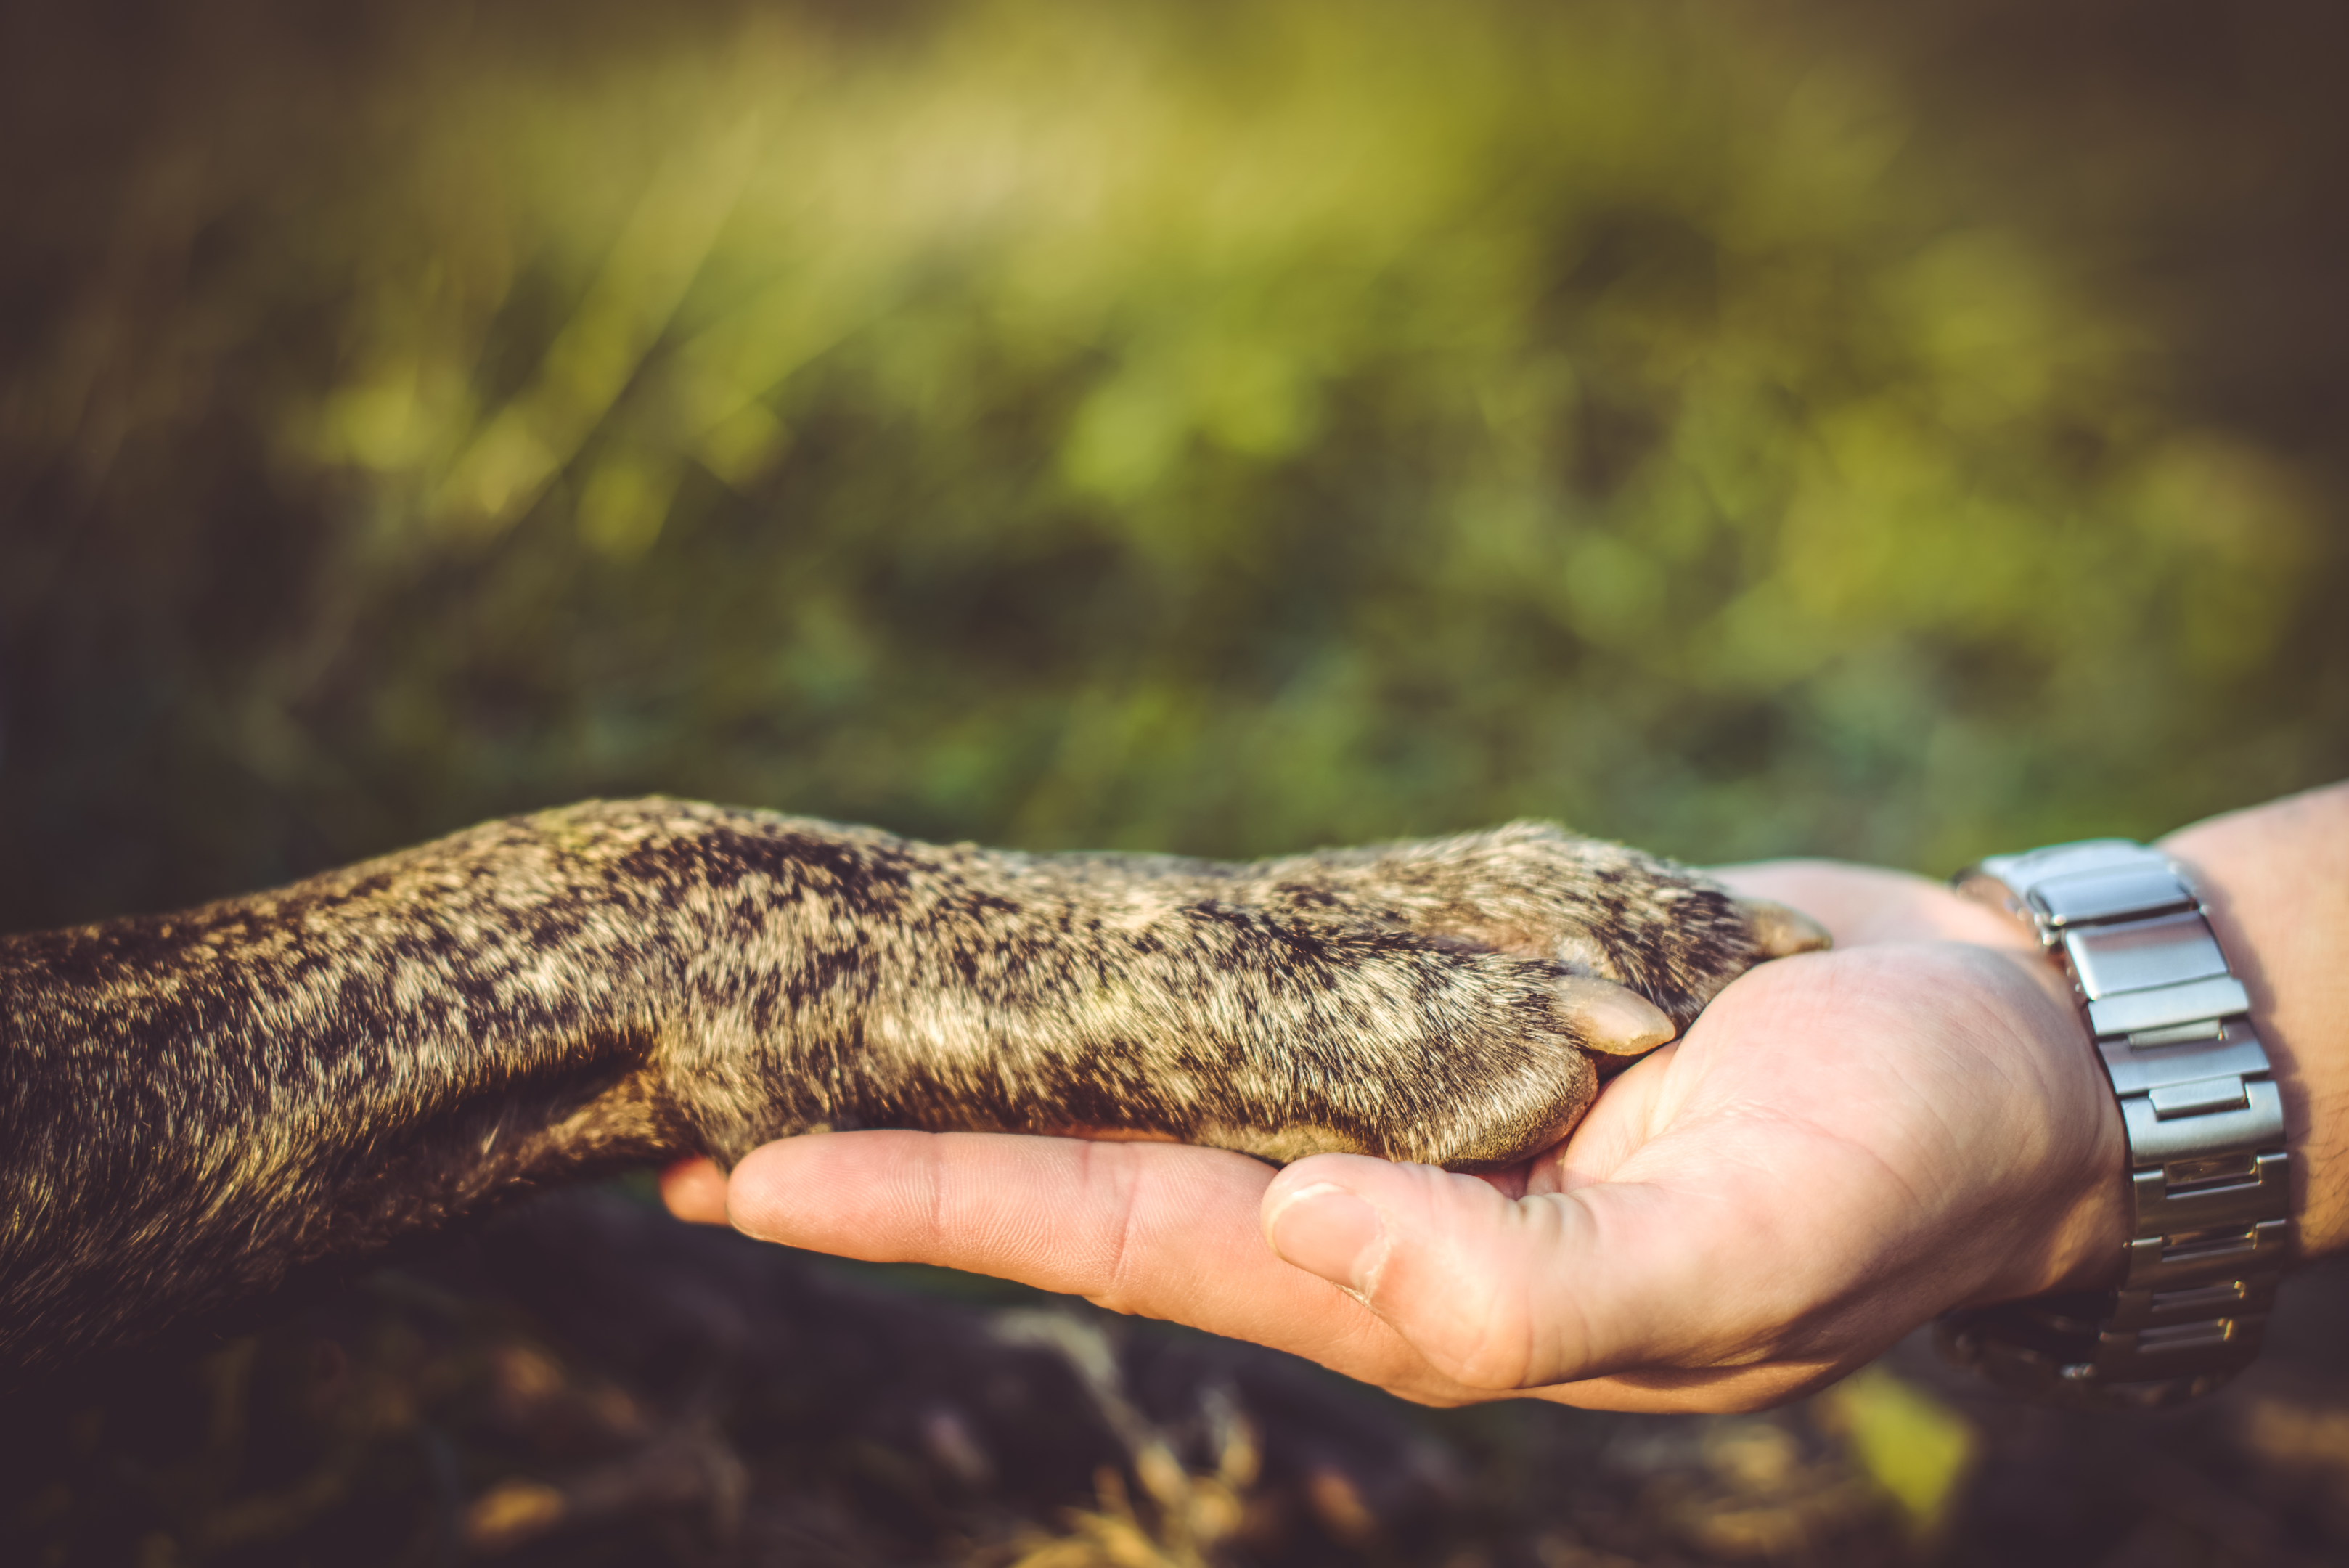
[1496, 1292]
[1328, 1230]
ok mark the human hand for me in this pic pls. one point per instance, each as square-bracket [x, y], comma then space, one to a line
[1842, 1145]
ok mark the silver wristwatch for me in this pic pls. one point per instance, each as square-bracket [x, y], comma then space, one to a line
[2209, 1176]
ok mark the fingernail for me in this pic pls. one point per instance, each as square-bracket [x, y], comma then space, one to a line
[1327, 1230]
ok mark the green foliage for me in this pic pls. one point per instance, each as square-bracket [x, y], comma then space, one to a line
[1202, 427]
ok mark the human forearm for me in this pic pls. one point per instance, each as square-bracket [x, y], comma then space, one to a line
[2275, 879]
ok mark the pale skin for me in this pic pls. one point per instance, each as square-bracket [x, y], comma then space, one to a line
[1843, 1146]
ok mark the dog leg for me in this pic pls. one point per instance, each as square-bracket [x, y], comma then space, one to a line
[194, 1106]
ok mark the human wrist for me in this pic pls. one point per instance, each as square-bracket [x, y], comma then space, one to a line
[2080, 1194]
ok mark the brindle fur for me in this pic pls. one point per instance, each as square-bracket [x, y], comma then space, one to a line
[196, 1105]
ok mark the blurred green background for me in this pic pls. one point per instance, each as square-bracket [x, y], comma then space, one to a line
[1199, 426]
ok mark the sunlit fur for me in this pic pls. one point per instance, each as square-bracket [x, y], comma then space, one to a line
[195, 1106]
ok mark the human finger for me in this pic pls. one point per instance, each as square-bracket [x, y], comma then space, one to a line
[1164, 1231]
[1157, 1229]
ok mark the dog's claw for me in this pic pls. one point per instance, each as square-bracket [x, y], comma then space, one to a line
[1611, 1020]
[1781, 932]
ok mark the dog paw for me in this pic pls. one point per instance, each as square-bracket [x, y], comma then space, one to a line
[1533, 890]
[1581, 956]
[1491, 1060]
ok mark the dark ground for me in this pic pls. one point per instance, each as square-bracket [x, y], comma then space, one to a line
[591, 1383]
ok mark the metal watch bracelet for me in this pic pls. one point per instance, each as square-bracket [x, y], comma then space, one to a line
[2208, 1178]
